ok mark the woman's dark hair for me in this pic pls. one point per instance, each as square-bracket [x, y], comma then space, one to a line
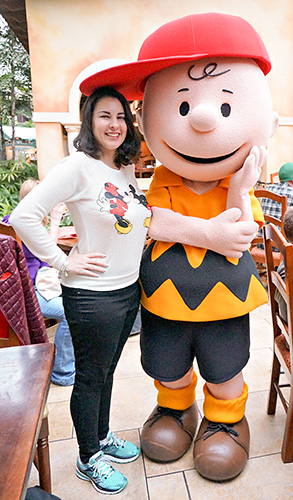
[85, 141]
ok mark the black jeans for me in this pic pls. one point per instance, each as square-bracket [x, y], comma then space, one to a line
[100, 323]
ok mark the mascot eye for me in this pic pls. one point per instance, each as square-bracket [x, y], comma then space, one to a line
[184, 108]
[225, 109]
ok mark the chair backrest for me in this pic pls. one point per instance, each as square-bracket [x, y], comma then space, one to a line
[282, 199]
[281, 300]
[274, 238]
[274, 176]
[9, 231]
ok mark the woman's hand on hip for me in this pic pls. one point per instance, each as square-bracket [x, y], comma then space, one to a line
[87, 264]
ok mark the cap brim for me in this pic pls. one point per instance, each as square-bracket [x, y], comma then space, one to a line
[129, 79]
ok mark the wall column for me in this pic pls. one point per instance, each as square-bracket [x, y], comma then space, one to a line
[72, 131]
[50, 146]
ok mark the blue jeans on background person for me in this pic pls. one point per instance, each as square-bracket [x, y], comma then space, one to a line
[64, 366]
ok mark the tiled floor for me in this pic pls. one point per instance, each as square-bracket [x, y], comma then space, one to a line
[264, 478]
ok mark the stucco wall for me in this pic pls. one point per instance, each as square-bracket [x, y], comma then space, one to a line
[67, 36]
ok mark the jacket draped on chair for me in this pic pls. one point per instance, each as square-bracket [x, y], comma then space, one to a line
[18, 301]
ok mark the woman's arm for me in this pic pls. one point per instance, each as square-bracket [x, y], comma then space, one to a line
[60, 185]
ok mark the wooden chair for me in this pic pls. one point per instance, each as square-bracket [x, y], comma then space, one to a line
[258, 254]
[145, 166]
[9, 231]
[274, 176]
[146, 163]
[10, 339]
[283, 341]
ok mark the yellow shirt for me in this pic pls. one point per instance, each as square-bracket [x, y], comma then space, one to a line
[186, 283]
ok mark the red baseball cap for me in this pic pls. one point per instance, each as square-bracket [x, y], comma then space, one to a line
[189, 38]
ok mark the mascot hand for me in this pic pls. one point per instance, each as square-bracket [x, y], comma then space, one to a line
[244, 180]
[229, 236]
[247, 176]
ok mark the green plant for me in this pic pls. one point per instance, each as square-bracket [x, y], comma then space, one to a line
[15, 83]
[66, 221]
[12, 175]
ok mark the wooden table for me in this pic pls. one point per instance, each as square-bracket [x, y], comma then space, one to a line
[66, 239]
[25, 374]
[66, 244]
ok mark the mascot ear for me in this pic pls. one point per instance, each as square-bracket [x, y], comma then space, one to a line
[138, 114]
[275, 123]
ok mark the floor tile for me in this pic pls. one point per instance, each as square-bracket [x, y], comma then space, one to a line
[262, 312]
[264, 478]
[59, 393]
[261, 333]
[157, 469]
[133, 400]
[60, 422]
[129, 364]
[171, 486]
[257, 372]
[266, 430]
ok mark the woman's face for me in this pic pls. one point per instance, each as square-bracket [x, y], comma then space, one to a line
[108, 123]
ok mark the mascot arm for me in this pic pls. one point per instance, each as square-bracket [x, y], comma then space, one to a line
[223, 234]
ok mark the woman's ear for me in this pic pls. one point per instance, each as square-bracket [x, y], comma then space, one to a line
[138, 115]
[275, 123]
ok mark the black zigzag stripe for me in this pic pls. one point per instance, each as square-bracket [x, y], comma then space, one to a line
[195, 284]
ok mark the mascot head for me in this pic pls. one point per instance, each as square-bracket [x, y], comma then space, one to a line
[206, 100]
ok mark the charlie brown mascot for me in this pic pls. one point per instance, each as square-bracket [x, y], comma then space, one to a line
[207, 117]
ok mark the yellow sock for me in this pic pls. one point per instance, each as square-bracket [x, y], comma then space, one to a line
[177, 399]
[226, 411]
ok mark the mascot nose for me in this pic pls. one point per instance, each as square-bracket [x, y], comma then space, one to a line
[204, 118]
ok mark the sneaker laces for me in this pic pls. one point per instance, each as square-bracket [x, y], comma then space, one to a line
[115, 441]
[168, 412]
[215, 427]
[102, 468]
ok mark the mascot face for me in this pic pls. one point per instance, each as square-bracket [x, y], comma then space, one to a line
[200, 119]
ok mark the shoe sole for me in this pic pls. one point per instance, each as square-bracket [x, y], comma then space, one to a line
[84, 477]
[120, 460]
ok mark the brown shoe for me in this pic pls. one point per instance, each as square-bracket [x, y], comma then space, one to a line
[167, 434]
[221, 450]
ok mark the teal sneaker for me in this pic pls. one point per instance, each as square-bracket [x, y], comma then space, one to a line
[118, 450]
[104, 478]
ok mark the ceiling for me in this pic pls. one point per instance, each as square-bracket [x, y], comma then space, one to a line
[14, 14]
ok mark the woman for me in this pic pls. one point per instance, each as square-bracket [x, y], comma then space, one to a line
[99, 278]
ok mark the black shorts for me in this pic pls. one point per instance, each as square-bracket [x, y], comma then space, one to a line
[168, 348]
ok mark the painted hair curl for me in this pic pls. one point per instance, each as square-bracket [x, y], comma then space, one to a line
[85, 141]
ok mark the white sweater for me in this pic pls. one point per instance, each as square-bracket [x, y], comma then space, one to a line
[93, 193]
